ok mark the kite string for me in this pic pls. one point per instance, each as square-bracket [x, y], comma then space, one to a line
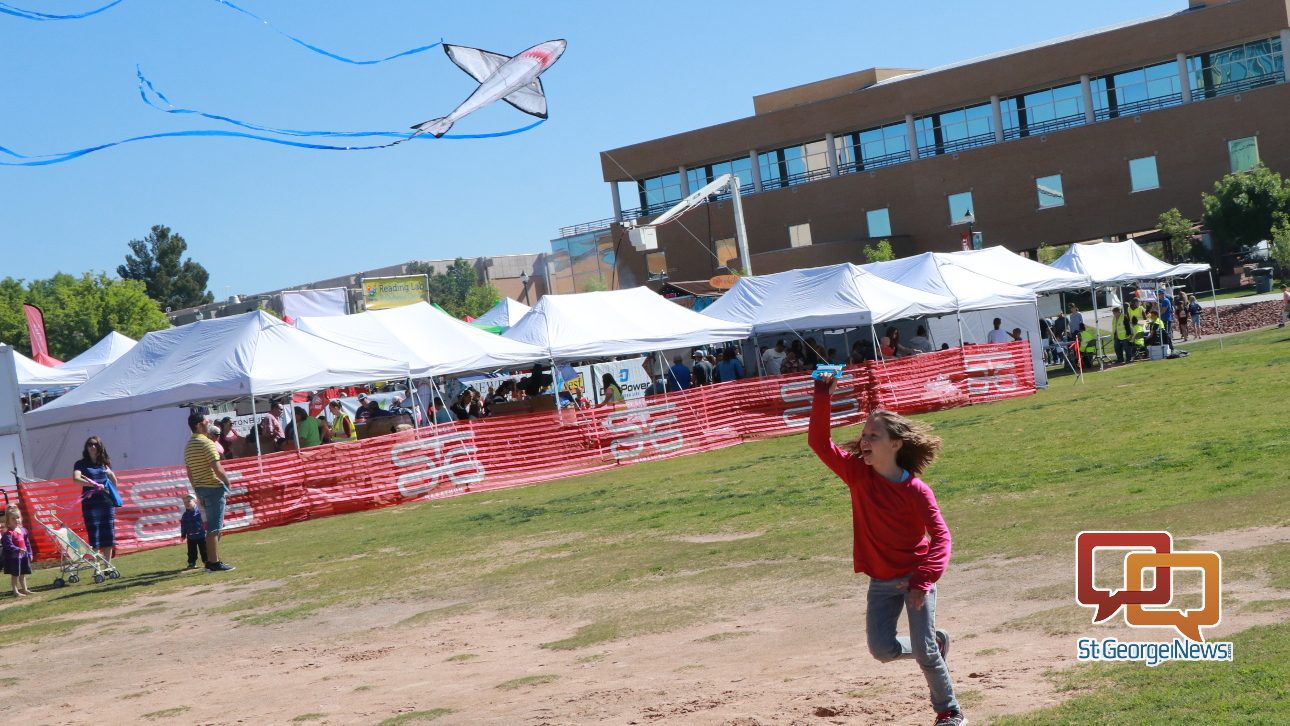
[25, 14]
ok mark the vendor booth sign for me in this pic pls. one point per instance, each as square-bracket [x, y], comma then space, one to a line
[383, 293]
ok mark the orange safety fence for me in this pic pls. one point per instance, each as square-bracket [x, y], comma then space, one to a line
[507, 451]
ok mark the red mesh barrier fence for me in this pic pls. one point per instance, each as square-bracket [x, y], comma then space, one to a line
[506, 451]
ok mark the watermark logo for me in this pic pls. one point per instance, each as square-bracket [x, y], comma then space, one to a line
[1149, 607]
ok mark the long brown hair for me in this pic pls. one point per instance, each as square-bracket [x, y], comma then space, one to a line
[104, 458]
[919, 446]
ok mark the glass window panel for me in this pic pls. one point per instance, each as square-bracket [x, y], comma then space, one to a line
[656, 265]
[1142, 174]
[960, 205]
[923, 132]
[879, 222]
[799, 235]
[771, 176]
[1243, 153]
[727, 250]
[1049, 189]
[696, 178]
[660, 191]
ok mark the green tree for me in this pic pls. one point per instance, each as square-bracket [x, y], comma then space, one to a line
[480, 299]
[595, 284]
[448, 289]
[1178, 230]
[880, 252]
[1281, 244]
[1243, 207]
[157, 261]
[1048, 254]
[78, 311]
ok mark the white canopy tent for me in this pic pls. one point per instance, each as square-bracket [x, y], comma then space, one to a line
[1119, 263]
[504, 314]
[101, 354]
[978, 300]
[431, 342]
[1000, 263]
[617, 322]
[822, 298]
[33, 376]
[135, 403]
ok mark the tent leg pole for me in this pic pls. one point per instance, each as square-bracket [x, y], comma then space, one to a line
[295, 425]
[1097, 336]
[417, 405]
[1218, 329]
[255, 431]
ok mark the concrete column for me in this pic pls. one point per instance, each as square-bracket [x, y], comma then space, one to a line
[1184, 82]
[618, 203]
[756, 171]
[831, 154]
[996, 111]
[1285, 50]
[911, 137]
[685, 182]
[1086, 86]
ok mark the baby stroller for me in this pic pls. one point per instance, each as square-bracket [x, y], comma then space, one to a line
[75, 555]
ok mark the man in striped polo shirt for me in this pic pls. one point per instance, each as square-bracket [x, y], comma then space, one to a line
[209, 481]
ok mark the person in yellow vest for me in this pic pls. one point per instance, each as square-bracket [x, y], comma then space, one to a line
[1123, 337]
[1087, 344]
[342, 427]
[1155, 333]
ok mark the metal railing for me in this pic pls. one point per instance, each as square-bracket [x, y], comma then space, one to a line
[949, 147]
[1245, 84]
[1043, 127]
[1136, 107]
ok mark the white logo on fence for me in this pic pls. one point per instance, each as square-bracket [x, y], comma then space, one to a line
[169, 498]
[429, 460]
[843, 402]
[644, 428]
[996, 378]
[943, 389]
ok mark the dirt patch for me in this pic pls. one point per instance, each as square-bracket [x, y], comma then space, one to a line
[803, 663]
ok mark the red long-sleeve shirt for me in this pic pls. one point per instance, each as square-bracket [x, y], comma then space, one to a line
[898, 526]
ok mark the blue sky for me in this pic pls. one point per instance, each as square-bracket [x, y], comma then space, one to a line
[261, 216]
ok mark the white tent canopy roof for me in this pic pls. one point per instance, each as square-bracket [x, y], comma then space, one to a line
[504, 314]
[432, 342]
[822, 298]
[1105, 263]
[939, 275]
[100, 356]
[33, 376]
[219, 359]
[1000, 263]
[617, 322]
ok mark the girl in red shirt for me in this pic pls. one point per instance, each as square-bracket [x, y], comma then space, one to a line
[16, 551]
[900, 538]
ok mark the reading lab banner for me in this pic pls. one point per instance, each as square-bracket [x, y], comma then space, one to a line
[383, 293]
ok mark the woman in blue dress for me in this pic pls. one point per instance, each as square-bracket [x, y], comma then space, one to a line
[94, 472]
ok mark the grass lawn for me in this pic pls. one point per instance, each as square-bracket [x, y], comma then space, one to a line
[1193, 446]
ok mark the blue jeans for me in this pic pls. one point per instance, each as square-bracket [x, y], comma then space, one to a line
[886, 599]
[1123, 351]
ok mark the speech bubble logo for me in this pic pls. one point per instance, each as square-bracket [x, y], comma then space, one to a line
[1108, 602]
[1187, 622]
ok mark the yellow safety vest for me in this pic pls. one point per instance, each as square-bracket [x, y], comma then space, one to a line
[1088, 341]
[338, 428]
[1118, 328]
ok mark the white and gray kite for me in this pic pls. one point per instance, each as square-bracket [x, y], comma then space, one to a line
[505, 78]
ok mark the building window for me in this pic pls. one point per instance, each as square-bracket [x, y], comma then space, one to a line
[660, 192]
[950, 131]
[1142, 174]
[701, 176]
[873, 148]
[879, 222]
[727, 250]
[1237, 69]
[1138, 90]
[794, 165]
[1042, 111]
[656, 265]
[799, 235]
[961, 207]
[1049, 189]
[1243, 153]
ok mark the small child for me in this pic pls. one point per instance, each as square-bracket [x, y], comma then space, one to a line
[17, 552]
[901, 540]
[193, 530]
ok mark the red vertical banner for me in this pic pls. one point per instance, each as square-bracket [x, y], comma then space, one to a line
[36, 331]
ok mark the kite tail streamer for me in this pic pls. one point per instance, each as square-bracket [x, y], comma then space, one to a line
[47, 159]
[17, 12]
[8, 9]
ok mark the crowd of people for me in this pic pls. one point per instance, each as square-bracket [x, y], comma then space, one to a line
[1134, 326]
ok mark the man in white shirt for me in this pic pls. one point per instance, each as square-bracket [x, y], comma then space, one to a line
[773, 358]
[997, 335]
[920, 342]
